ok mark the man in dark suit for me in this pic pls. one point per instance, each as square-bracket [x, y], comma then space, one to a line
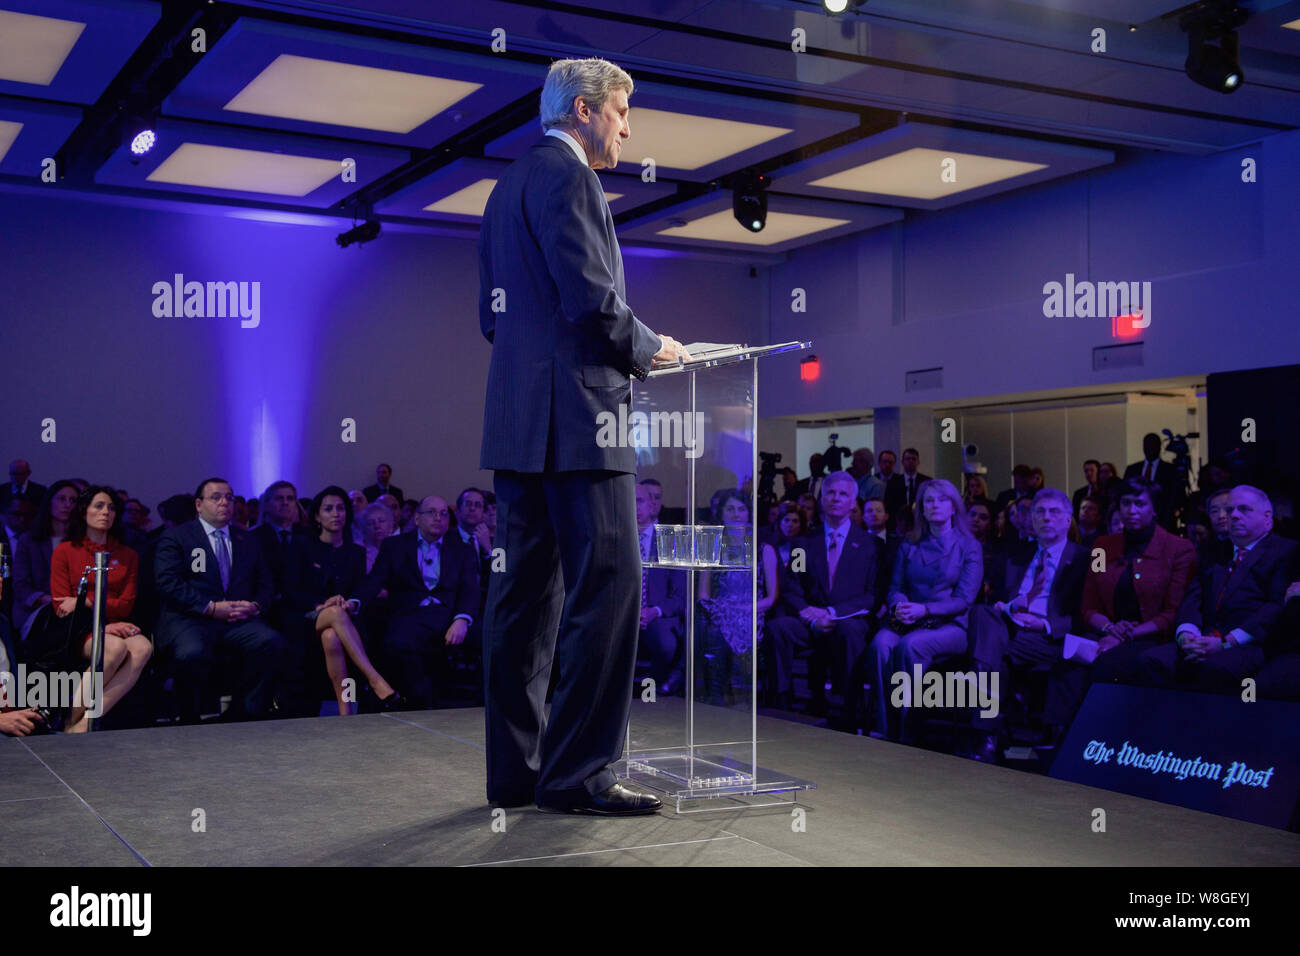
[1223, 628]
[834, 588]
[1020, 476]
[663, 601]
[432, 582]
[564, 342]
[875, 517]
[215, 586]
[812, 485]
[1279, 679]
[383, 485]
[1092, 487]
[1153, 468]
[1038, 603]
[20, 485]
[278, 529]
[900, 492]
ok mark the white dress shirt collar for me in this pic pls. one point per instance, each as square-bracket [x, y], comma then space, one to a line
[573, 143]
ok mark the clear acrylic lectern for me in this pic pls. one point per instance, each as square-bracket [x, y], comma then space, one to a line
[695, 430]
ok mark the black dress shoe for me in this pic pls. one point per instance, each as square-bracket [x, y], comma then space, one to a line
[392, 702]
[617, 801]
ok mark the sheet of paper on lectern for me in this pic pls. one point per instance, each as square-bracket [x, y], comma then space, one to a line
[702, 351]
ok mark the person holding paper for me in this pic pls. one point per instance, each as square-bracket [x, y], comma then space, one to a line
[1131, 600]
[1039, 604]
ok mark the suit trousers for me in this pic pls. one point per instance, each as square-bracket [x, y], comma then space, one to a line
[572, 563]
[193, 645]
[1221, 672]
[893, 653]
[1009, 651]
[785, 635]
[1279, 679]
[415, 647]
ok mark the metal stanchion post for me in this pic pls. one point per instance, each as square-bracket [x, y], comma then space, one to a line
[96, 689]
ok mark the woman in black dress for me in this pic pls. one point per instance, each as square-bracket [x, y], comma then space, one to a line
[321, 571]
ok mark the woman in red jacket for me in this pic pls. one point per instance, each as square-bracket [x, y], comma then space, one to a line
[96, 525]
[1130, 605]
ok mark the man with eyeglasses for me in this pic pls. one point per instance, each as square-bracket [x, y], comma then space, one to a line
[432, 582]
[215, 586]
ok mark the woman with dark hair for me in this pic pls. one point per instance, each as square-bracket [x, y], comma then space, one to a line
[35, 551]
[937, 576]
[725, 596]
[321, 570]
[1131, 602]
[96, 525]
[791, 523]
[1108, 478]
[980, 515]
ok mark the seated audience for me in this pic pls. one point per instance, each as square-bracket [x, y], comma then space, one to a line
[663, 602]
[321, 575]
[431, 578]
[31, 567]
[1224, 625]
[1131, 602]
[791, 525]
[1039, 595]
[408, 514]
[902, 489]
[936, 579]
[1279, 678]
[1092, 485]
[979, 516]
[215, 587]
[1108, 478]
[359, 504]
[95, 525]
[869, 486]
[727, 629]
[1089, 514]
[377, 522]
[1019, 488]
[831, 599]
[975, 489]
[279, 530]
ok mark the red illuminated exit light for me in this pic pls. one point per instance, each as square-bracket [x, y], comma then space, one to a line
[810, 369]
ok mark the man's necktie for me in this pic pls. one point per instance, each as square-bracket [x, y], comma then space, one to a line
[1147, 471]
[223, 558]
[1232, 569]
[1040, 577]
[911, 492]
[833, 556]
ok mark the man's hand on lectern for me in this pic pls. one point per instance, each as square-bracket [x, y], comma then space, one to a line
[670, 350]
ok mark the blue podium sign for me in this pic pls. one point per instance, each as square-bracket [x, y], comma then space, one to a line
[1207, 752]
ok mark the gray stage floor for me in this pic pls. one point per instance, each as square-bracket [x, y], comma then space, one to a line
[408, 789]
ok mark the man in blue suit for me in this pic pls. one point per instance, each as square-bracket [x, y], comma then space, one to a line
[564, 343]
[215, 588]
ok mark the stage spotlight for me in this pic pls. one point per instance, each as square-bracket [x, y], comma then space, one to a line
[365, 232]
[1212, 48]
[143, 141]
[749, 201]
[839, 6]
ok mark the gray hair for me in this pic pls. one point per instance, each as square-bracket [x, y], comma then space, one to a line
[593, 79]
[1055, 494]
[839, 478]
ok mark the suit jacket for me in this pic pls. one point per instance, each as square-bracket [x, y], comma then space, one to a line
[397, 569]
[31, 570]
[896, 491]
[33, 492]
[1161, 575]
[946, 580]
[316, 571]
[1252, 596]
[858, 574]
[553, 304]
[372, 492]
[277, 555]
[184, 591]
[1081, 493]
[1065, 598]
